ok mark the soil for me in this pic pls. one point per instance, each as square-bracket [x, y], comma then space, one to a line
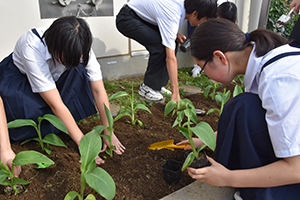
[137, 173]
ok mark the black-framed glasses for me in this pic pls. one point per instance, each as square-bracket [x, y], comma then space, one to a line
[204, 65]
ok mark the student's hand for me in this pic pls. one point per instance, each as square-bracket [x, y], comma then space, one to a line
[180, 38]
[296, 4]
[215, 175]
[197, 143]
[7, 158]
[115, 141]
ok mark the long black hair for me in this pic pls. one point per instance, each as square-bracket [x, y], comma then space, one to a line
[69, 41]
[224, 35]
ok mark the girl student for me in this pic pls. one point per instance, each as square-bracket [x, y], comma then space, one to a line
[258, 137]
[54, 70]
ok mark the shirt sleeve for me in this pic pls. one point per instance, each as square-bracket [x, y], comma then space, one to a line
[93, 68]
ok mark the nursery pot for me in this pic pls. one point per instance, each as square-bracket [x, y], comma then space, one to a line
[172, 171]
[201, 162]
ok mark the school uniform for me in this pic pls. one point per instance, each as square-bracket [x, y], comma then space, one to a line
[154, 24]
[30, 70]
[260, 126]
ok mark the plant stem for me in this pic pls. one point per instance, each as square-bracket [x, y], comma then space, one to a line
[83, 182]
[191, 136]
[40, 136]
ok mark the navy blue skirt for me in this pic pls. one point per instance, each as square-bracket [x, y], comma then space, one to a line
[243, 142]
[21, 103]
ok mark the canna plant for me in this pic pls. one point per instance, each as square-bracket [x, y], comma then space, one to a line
[213, 93]
[221, 98]
[48, 139]
[129, 111]
[202, 129]
[22, 158]
[96, 177]
[100, 128]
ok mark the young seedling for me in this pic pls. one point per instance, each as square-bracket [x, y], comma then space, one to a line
[96, 177]
[221, 98]
[22, 158]
[202, 129]
[48, 139]
[207, 89]
[99, 129]
[129, 111]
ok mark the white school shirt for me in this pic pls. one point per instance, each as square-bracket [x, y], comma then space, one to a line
[278, 88]
[32, 58]
[168, 15]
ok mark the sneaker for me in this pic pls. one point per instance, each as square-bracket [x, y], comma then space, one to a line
[237, 196]
[196, 71]
[149, 93]
[165, 91]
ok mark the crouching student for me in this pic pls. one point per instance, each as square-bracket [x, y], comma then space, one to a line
[54, 70]
[258, 139]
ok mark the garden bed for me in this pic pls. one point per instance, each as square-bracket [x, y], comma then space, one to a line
[137, 173]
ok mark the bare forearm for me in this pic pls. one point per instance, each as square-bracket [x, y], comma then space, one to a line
[4, 137]
[275, 174]
[172, 71]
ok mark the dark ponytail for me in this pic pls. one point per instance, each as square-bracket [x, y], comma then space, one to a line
[224, 35]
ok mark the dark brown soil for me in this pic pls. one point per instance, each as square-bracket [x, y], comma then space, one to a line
[137, 173]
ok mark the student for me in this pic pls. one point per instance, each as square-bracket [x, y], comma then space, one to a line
[295, 34]
[258, 138]
[54, 70]
[6, 153]
[226, 10]
[155, 24]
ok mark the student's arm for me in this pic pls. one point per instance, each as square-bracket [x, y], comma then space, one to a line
[173, 72]
[6, 153]
[100, 97]
[282, 172]
[296, 4]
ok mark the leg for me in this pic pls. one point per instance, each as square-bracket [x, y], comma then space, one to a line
[243, 142]
[295, 35]
[132, 26]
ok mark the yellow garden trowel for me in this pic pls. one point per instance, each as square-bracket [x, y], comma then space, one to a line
[167, 144]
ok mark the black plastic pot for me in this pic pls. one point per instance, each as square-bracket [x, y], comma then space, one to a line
[172, 171]
[201, 162]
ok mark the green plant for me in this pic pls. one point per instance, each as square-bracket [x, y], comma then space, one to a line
[100, 128]
[202, 129]
[22, 158]
[277, 8]
[97, 178]
[129, 111]
[48, 139]
[221, 98]
[213, 93]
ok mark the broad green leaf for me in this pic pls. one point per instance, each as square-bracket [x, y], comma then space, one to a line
[48, 151]
[99, 128]
[169, 107]
[206, 90]
[55, 121]
[30, 157]
[3, 176]
[42, 165]
[227, 96]
[4, 168]
[109, 117]
[54, 140]
[71, 195]
[142, 107]
[189, 159]
[184, 131]
[6, 182]
[118, 95]
[212, 110]
[101, 182]
[90, 197]
[89, 147]
[204, 131]
[237, 90]
[105, 136]
[201, 148]
[21, 122]
[219, 99]
[36, 139]
[18, 181]
[122, 115]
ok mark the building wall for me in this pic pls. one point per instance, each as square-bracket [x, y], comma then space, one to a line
[118, 55]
